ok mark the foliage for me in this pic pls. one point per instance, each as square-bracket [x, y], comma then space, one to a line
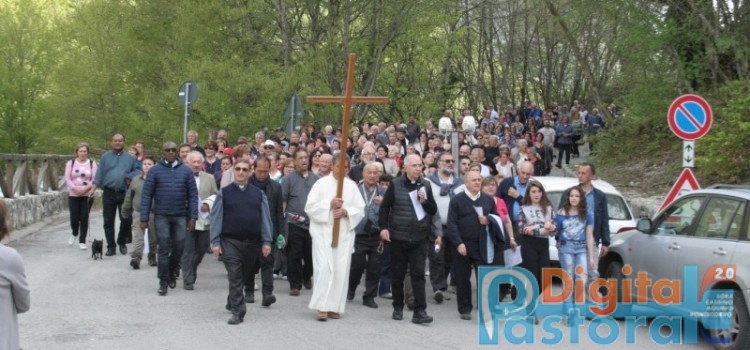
[78, 70]
[721, 153]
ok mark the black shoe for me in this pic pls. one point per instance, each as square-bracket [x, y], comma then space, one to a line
[123, 249]
[410, 304]
[151, 259]
[172, 283]
[135, 263]
[162, 290]
[466, 316]
[308, 284]
[188, 286]
[235, 320]
[370, 303]
[110, 252]
[421, 317]
[268, 300]
[398, 314]
[229, 308]
[350, 295]
[249, 298]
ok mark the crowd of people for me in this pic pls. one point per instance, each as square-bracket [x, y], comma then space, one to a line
[267, 206]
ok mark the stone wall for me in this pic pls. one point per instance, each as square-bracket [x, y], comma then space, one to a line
[26, 210]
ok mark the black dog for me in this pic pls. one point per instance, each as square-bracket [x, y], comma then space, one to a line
[96, 249]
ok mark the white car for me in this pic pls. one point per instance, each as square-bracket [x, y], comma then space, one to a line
[620, 216]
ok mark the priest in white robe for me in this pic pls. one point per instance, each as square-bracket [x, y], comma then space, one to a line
[331, 265]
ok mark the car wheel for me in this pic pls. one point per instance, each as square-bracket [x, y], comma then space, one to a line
[737, 337]
[614, 271]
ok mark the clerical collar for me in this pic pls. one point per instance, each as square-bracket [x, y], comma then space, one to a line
[473, 197]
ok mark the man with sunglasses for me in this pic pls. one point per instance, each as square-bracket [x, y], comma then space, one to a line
[171, 193]
[240, 233]
[446, 186]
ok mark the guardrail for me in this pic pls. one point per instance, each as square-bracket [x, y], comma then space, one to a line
[31, 174]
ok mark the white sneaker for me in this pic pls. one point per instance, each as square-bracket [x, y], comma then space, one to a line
[82, 246]
[71, 240]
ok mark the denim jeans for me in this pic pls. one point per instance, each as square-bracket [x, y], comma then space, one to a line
[170, 232]
[573, 254]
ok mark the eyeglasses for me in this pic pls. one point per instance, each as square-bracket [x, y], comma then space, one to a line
[317, 155]
[367, 153]
[448, 161]
[269, 147]
[170, 150]
[242, 170]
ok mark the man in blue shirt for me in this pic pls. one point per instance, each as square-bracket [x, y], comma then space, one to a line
[114, 165]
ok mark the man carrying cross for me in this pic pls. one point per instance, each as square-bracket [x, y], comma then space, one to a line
[331, 264]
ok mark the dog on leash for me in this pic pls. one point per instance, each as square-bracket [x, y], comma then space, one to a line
[97, 246]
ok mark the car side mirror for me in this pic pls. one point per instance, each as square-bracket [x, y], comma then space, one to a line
[644, 225]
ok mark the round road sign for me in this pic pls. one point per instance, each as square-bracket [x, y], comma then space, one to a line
[690, 117]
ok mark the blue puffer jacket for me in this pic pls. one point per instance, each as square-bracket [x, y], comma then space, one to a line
[172, 186]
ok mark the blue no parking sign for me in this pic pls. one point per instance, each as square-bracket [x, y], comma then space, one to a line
[690, 117]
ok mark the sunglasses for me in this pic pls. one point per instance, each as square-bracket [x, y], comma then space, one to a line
[242, 170]
[170, 150]
[269, 147]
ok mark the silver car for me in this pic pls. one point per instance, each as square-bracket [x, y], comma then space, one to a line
[706, 228]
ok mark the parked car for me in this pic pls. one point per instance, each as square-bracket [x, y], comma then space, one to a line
[620, 215]
[705, 228]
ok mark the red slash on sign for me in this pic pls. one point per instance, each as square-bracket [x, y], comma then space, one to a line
[690, 117]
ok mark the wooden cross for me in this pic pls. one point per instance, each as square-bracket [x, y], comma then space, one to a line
[347, 100]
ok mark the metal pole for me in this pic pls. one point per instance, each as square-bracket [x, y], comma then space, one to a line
[294, 105]
[187, 112]
[454, 151]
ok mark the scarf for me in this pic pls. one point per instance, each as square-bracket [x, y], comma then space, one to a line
[445, 189]
[262, 185]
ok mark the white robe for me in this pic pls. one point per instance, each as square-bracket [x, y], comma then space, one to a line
[331, 265]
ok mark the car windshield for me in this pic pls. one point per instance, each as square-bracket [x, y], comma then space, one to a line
[618, 209]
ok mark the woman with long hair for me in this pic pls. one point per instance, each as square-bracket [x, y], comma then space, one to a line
[79, 176]
[575, 239]
[536, 223]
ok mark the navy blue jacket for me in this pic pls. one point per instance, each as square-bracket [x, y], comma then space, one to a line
[173, 189]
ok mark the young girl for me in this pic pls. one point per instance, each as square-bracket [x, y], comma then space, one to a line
[536, 222]
[576, 239]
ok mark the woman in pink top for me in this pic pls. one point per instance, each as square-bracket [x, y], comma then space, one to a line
[79, 174]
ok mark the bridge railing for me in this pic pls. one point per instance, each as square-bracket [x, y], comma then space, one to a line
[31, 174]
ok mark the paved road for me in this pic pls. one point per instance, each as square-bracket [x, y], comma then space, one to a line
[79, 303]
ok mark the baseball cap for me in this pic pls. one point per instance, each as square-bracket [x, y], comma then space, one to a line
[269, 143]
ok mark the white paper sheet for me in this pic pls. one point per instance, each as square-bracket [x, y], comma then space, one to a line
[417, 206]
[479, 211]
[145, 242]
[512, 258]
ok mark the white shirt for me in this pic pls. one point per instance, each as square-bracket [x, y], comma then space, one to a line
[473, 197]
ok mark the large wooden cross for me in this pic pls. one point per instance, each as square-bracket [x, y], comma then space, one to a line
[348, 99]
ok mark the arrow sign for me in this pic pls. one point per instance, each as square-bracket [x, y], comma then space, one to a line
[688, 154]
[686, 182]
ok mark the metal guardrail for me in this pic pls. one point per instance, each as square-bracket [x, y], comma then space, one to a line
[31, 174]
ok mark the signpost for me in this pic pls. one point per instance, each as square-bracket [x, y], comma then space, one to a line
[187, 95]
[686, 182]
[293, 114]
[688, 154]
[689, 117]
